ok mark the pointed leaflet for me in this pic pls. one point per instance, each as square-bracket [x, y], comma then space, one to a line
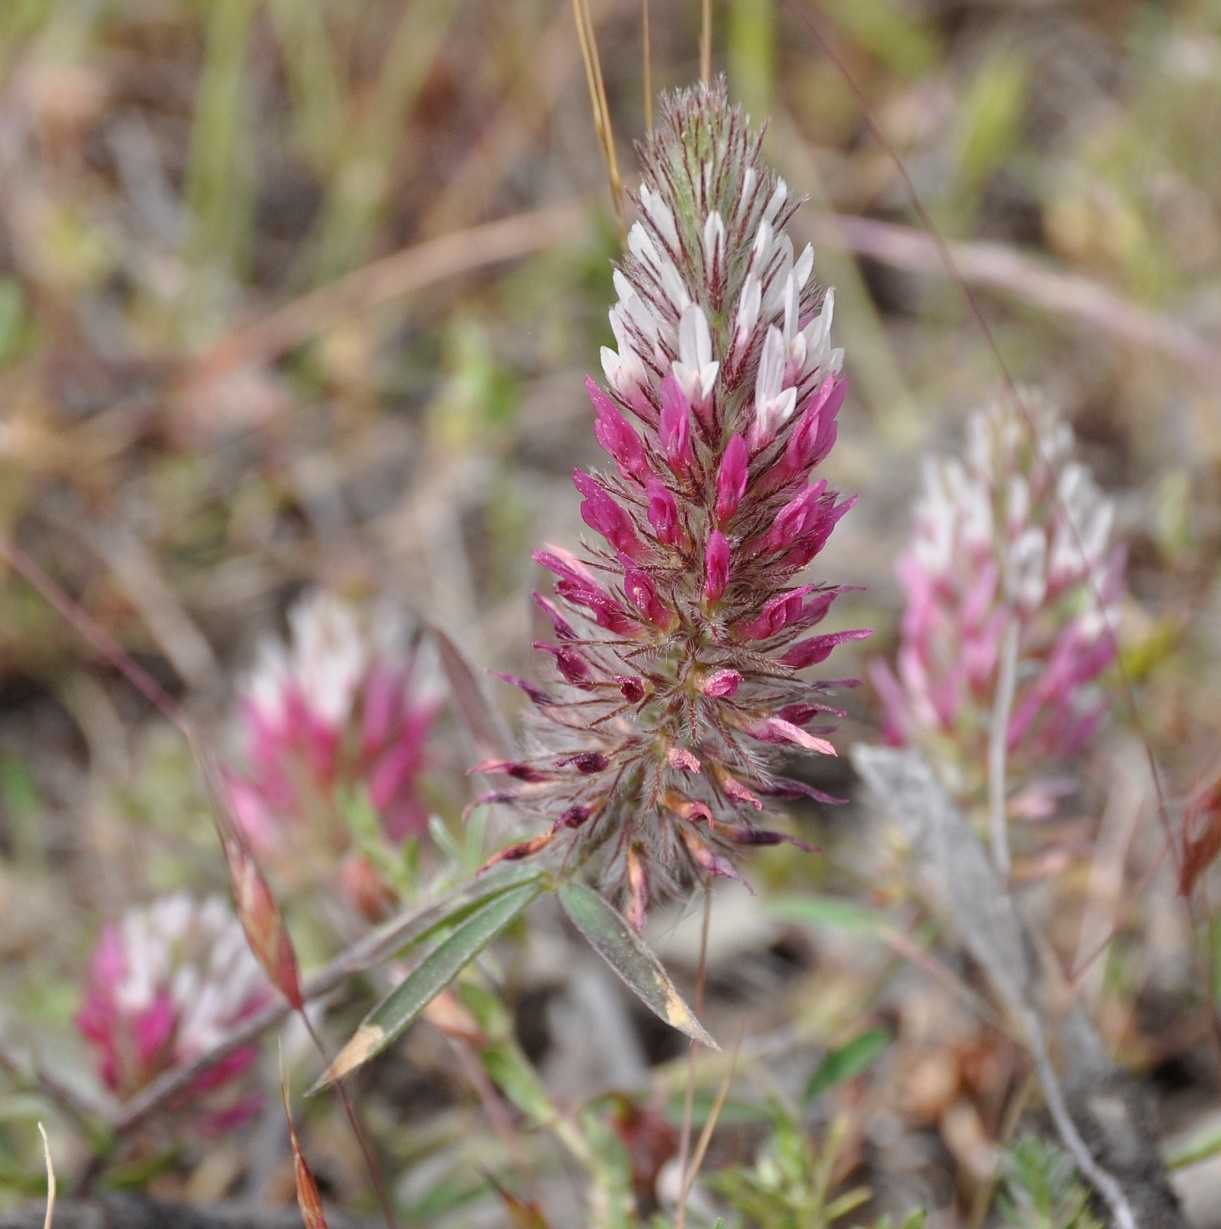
[619, 945]
[403, 1005]
[400, 934]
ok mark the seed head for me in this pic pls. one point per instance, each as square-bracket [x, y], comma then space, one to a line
[679, 635]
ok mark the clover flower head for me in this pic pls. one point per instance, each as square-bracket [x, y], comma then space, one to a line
[681, 629]
[338, 708]
[166, 983]
[1013, 539]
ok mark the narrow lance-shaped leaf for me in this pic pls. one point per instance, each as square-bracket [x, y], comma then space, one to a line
[403, 1005]
[623, 949]
[401, 934]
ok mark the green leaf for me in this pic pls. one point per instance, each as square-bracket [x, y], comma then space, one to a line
[846, 1062]
[623, 949]
[400, 935]
[832, 912]
[733, 1112]
[611, 1171]
[403, 1005]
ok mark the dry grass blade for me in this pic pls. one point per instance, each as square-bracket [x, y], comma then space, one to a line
[705, 1139]
[998, 267]
[1201, 836]
[308, 1198]
[391, 278]
[135, 569]
[601, 110]
[46, 1152]
[256, 905]
[509, 135]
[647, 53]
[706, 42]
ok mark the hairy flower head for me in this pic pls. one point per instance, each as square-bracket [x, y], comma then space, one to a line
[166, 983]
[1012, 543]
[338, 708]
[680, 630]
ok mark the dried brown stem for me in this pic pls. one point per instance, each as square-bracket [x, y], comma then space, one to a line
[383, 281]
[998, 267]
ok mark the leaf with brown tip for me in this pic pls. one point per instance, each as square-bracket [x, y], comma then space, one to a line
[623, 949]
[403, 1005]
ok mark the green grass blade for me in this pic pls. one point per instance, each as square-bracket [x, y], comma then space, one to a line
[827, 912]
[403, 1005]
[623, 949]
[846, 1062]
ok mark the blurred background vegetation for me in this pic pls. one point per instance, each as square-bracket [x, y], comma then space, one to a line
[299, 291]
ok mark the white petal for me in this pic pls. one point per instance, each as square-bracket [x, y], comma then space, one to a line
[804, 266]
[779, 196]
[749, 303]
[642, 246]
[707, 378]
[694, 339]
[746, 194]
[659, 214]
[714, 241]
[773, 300]
[761, 251]
[818, 332]
[771, 367]
[784, 405]
[792, 304]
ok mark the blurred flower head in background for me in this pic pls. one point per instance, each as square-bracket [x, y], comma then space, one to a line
[339, 710]
[679, 638]
[1011, 555]
[166, 983]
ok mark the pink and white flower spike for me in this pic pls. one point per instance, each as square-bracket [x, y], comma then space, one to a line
[166, 983]
[1012, 552]
[682, 628]
[339, 708]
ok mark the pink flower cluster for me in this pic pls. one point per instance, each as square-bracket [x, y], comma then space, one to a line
[1010, 547]
[166, 983]
[680, 636]
[338, 709]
